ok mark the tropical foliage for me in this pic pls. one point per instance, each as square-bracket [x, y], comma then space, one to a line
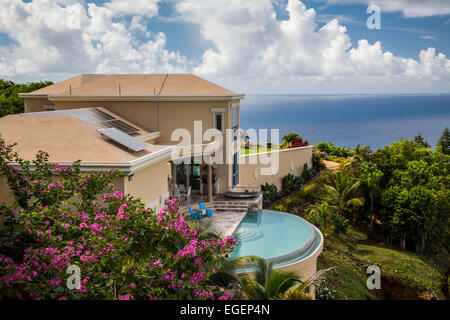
[10, 103]
[266, 283]
[444, 142]
[62, 218]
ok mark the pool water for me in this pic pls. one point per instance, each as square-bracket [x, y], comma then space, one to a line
[276, 236]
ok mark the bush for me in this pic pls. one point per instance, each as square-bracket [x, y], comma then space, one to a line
[63, 218]
[333, 150]
[317, 161]
[323, 292]
[340, 224]
[308, 173]
[270, 193]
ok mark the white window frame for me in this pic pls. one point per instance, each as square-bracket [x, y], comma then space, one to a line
[221, 111]
[235, 108]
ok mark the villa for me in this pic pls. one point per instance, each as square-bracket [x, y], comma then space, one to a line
[155, 130]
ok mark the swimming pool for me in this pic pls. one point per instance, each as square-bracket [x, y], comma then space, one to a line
[276, 236]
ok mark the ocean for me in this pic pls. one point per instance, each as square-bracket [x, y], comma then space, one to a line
[373, 120]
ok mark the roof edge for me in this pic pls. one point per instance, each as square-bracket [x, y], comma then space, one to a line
[53, 97]
[123, 167]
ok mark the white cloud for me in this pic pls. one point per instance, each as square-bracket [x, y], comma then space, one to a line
[147, 8]
[428, 37]
[255, 50]
[56, 39]
[251, 50]
[409, 8]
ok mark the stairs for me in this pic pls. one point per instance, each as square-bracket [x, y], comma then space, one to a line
[228, 206]
[223, 206]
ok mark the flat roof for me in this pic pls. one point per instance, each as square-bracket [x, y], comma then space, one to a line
[67, 139]
[133, 85]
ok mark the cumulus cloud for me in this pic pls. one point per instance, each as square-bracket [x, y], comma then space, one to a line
[147, 8]
[60, 37]
[409, 8]
[250, 49]
[251, 45]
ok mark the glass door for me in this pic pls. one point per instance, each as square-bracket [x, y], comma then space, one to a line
[195, 174]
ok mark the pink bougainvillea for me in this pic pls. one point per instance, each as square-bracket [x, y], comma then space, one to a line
[123, 250]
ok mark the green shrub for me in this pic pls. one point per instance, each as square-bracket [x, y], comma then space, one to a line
[317, 161]
[333, 150]
[63, 219]
[270, 193]
[340, 224]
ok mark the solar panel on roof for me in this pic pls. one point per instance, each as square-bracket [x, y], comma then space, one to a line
[90, 115]
[124, 139]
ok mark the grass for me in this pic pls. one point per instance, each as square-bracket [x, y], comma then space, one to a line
[404, 274]
[406, 268]
[255, 150]
[348, 280]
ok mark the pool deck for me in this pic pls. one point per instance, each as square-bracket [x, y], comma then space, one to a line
[227, 213]
[227, 222]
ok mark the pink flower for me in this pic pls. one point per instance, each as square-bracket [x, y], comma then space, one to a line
[126, 297]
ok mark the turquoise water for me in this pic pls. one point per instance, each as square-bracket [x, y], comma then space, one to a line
[272, 235]
[373, 120]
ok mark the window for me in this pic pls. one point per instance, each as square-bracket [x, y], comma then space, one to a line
[219, 118]
[235, 172]
[235, 121]
[218, 121]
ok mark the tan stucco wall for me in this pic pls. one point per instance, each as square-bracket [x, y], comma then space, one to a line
[150, 184]
[143, 113]
[35, 105]
[297, 156]
[5, 194]
[172, 115]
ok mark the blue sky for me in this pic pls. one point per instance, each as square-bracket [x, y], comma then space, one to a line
[237, 44]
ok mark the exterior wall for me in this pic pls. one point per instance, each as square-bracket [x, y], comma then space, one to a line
[5, 194]
[175, 115]
[150, 184]
[172, 115]
[143, 113]
[35, 105]
[298, 157]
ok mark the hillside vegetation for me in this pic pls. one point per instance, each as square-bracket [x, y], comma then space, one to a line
[10, 103]
[388, 208]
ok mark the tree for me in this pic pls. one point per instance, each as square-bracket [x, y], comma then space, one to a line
[371, 177]
[341, 189]
[10, 103]
[444, 142]
[412, 205]
[320, 215]
[420, 141]
[269, 283]
[290, 137]
[62, 217]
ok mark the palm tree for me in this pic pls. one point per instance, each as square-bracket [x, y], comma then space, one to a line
[302, 291]
[341, 189]
[320, 215]
[266, 284]
[371, 177]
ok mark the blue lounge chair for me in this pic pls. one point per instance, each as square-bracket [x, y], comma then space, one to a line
[195, 215]
[209, 212]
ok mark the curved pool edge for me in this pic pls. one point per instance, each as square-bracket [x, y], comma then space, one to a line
[305, 266]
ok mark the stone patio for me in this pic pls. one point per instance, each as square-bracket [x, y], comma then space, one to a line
[227, 222]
